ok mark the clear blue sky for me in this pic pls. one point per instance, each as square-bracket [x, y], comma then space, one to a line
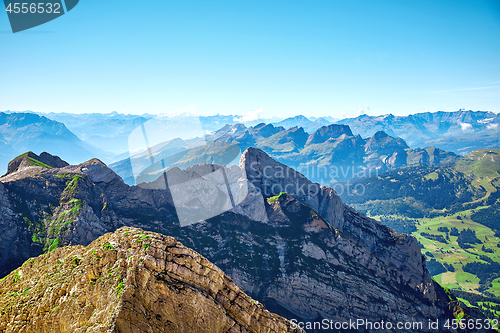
[289, 57]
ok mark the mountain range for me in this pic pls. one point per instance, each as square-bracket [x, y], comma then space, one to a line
[286, 241]
[448, 203]
[330, 154]
[108, 131]
[460, 132]
[111, 132]
[307, 124]
[440, 129]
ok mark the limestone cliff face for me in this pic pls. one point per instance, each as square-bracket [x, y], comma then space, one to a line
[303, 254]
[129, 281]
[272, 178]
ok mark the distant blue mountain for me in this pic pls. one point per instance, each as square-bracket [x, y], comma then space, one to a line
[309, 125]
[460, 131]
[22, 132]
[108, 131]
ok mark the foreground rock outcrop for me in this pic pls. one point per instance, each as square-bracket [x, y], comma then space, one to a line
[129, 281]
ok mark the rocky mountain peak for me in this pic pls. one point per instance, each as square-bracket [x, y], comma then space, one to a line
[28, 159]
[98, 172]
[384, 144]
[380, 135]
[271, 178]
[129, 281]
[324, 133]
[266, 130]
[284, 207]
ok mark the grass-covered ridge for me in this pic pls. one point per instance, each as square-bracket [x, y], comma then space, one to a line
[72, 186]
[481, 163]
[48, 224]
[34, 162]
[275, 198]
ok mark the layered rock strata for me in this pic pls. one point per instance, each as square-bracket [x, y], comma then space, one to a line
[129, 281]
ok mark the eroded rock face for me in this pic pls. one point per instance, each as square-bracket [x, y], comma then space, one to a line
[300, 266]
[129, 281]
[272, 178]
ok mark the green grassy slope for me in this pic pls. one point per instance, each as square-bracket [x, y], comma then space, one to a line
[453, 211]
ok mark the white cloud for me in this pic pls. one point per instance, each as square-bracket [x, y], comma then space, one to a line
[354, 113]
[487, 120]
[492, 126]
[186, 111]
[465, 126]
[250, 115]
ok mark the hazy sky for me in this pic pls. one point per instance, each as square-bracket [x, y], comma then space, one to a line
[318, 58]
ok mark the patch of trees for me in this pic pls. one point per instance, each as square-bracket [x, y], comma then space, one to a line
[474, 300]
[435, 267]
[449, 267]
[403, 226]
[443, 229]
[487, 250]
[485, 272]
[397, 207]
[466, 237]
[438, 238]
[489, 217]
[449, 190]
[454, 232]
[486, 258]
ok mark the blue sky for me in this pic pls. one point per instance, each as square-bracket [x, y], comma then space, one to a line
[318, 58]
